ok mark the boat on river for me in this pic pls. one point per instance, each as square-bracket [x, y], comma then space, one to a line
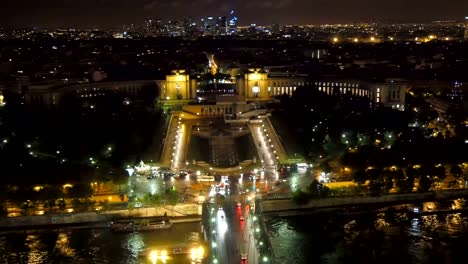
[135, 226]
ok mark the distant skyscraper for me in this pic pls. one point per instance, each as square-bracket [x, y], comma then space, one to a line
[221, 26]
[149, 22]
[215, 26]
[153, 25]
[232, 24]
[190, 27]
[209, 26]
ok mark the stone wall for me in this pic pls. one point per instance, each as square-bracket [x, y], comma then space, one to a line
[90, 217]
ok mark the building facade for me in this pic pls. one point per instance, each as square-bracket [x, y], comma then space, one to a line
[50, 95]
[466, 29]
[254, 85]
[177, 86]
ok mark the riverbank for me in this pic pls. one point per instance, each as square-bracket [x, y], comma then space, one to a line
[90, 225]
[180, 212]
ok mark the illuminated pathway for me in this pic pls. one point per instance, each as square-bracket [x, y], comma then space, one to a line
[175, 144]
[269, 148]
[234, 237]
[178, 146]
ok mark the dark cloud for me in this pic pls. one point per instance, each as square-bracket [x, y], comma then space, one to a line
[117, 12]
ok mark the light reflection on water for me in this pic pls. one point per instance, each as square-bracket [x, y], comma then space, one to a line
[376, 239]
[90, 245]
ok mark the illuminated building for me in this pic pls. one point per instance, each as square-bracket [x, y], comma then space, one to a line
[214, 26]
[153, 25]
[253, 85]
[466, 28]
[209, 26]
[149, 24]
[177, 86]
[221, 26]
[51, 94]
[232, 25]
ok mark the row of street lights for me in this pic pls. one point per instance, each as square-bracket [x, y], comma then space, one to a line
[265, 140]
[178, 144]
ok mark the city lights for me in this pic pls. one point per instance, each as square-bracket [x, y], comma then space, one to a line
[377, 119]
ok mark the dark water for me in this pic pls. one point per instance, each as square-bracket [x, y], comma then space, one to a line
[92, 245]
[370, 239]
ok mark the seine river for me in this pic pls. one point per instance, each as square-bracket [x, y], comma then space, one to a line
[378, 238]
[91, 245]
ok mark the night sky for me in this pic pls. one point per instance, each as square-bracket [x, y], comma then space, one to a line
[119, 12]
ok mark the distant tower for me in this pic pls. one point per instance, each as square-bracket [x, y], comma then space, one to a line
[466, 28]
[232, 24]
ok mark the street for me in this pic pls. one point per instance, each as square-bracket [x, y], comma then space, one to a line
[234, 237]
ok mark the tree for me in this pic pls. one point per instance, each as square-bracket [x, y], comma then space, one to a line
[146, 201]
[439, 172]
[80, 190]
[425, 183]
[318, 190]
[300, 197]
[412, 173]
[456, 171]
[81, 205]
[50, 205]
[104, 204]
[49, 195]
[374, 173]
[375, 187]
[172, 198]
[325, 167]
[405, 185]
[445, 204]
[388, 183]
[120, 177]
[360, 176]
[77, 204]
[61, 204]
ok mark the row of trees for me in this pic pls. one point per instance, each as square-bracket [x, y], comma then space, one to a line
[50, 143]
[52, 192]
[51, 197]
[168, 197]
[328, 116]
[381, 181]
[315, 190]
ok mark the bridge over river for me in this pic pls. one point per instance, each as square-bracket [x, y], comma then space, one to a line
[286, 207]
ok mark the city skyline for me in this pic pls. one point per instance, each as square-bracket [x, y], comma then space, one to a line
[104, 13]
